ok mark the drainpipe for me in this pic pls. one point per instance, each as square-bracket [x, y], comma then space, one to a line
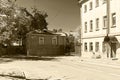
[108, 16]
[108, 25]
[80, 31]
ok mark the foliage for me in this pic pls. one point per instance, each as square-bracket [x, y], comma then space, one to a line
[60, 30]
[70, 47]
[39, 21]
[7, 11]
[57, 30]
[16, 22]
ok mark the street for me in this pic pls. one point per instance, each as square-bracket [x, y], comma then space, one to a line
[64, 68]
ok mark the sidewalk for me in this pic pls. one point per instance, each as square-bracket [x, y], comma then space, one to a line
[102, 62]
[105, 62]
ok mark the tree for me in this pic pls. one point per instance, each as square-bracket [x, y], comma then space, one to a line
[55, 30]
[38, 19]
[60, 30]
[7, 12]
[16, 22]
[70, 47]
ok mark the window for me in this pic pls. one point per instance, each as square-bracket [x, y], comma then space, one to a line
[97, 3]
[41, 40]
[105, 22]
[103, 47]
[104, 1]
[97, 46]
[91, 26]
[85, 27]
[91, 5]
[97, 24]
[85, 47]
[54, 41]
[85, 8]
[114, 20]
[91, 46]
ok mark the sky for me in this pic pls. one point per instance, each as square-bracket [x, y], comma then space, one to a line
[62, 14]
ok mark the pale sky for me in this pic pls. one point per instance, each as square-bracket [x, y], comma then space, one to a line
[61, 13]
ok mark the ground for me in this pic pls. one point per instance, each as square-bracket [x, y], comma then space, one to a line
[59, 68]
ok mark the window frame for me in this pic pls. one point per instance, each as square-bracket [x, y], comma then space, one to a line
[56, 42]
[85, 29]
[41, 42]
[105, 22]
[85, 47]
[97, 44]
[113, 22]
[97, 24]
[97, 3]
[90, 5]
[85, 8]
[104, 1]
[104, 47]
[91, 25]
[91, 46]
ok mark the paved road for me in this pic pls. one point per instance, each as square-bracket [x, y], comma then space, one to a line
[94, 71]
[64, 69]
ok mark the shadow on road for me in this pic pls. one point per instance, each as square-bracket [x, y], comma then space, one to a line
[8, 77]
[12, 58]
[5, 60]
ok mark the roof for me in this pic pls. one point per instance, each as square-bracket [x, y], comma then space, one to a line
[82, 1]
[61, 33]
[46, 32]
[40, 32]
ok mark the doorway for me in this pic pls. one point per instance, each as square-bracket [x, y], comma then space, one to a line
[113, 50]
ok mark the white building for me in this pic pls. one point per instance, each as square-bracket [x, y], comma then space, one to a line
[100, 18]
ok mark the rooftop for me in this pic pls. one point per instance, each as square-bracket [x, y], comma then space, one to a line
[82, 1]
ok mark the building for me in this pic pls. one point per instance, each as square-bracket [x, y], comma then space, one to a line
[45, 43]
[100, 27]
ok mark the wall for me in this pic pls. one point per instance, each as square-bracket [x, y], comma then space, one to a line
[98, 36]
[47, 49]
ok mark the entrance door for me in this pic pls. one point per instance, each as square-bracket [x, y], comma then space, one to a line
[113, 50]
[108, 50]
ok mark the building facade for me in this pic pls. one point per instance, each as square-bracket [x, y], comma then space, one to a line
[100, 27]
[45, 43]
